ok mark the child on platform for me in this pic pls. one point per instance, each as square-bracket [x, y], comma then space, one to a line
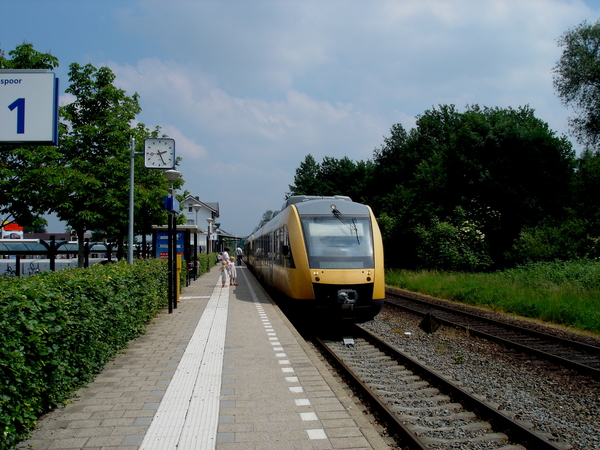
[232, 274]
[224, 269]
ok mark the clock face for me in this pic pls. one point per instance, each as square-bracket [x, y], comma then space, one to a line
[159, 153]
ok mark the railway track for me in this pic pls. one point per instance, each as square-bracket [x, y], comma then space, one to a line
[419, 408]
[577, 356]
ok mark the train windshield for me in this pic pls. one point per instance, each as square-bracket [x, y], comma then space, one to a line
[332, 243]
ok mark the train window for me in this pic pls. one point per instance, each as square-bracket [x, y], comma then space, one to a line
[333, 244]
[286, 249]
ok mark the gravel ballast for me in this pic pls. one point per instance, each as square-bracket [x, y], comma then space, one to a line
[555, 403]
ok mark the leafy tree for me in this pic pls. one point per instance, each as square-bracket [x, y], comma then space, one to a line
[91, 182]
[25, 57]
[267, 215]
[504, 167]
[579, 233]
[24, 170]
[456, 244]
[586, 186]
[332, 177]
[306, 180]
[390, 162]
[577, 79]
[554, 240]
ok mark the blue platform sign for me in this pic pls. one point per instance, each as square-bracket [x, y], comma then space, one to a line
[162, 244]
[28, 107]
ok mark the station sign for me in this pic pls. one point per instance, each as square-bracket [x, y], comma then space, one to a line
[162, 244]
[28, 107]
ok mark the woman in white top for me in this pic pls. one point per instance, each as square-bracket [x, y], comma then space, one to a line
[225, 255]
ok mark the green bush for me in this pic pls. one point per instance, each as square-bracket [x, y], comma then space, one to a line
[456, 244]
[566, 240]
[206, 262]
[60, 328]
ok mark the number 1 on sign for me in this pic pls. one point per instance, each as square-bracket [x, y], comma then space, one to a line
[20, 105]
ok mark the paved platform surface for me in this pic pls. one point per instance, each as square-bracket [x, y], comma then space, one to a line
[225, 371]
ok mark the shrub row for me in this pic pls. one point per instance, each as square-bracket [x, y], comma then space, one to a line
[205, 262]
[59, 329]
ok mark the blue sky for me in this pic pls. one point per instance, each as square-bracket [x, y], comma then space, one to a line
[249, 88]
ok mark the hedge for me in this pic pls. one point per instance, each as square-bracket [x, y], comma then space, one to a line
[205, 262]
[59, 329]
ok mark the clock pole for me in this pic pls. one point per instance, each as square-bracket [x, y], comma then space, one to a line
[130, 237]
[159, 153]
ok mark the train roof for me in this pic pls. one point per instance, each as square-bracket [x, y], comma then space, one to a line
[325, 205]
[306, 198]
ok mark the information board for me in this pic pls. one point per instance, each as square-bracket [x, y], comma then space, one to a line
[162, 244]
[28, 107]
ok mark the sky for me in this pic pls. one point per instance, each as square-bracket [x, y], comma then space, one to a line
[249, 88]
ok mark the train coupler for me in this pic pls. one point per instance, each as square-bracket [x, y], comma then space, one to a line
[347, 297]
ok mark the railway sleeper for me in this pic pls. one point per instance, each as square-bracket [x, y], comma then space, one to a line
[392, 367]
[436, 398]
[394, 370]
[411, 379]
[415, 385]
[492, 437]
[403, 394]
[462, 415]
[447, 407]
[475, 426]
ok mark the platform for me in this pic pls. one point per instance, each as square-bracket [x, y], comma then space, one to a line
[225, 371]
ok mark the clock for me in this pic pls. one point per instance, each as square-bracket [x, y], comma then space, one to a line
[159, 153]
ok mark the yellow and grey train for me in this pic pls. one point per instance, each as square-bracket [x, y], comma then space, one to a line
[324, 252]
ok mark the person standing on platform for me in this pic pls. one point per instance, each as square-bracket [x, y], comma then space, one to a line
[225, 255]
[224, 269]
[238, 255]
[232, 274]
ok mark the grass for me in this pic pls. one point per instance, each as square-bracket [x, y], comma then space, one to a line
[563, 293]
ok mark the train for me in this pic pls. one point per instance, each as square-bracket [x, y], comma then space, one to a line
[322, 254]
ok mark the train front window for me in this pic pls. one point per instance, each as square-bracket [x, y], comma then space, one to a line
[335, 244]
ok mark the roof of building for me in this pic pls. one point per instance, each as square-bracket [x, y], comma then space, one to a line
[212, 206]
[224, 233]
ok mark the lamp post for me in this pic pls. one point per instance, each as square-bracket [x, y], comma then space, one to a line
[172, 175]
[196, 208]
[208, 233]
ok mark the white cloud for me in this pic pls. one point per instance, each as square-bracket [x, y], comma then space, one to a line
[248, 89]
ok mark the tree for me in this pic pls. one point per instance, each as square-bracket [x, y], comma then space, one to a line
[577, 80]
[332, 177]
[25, 57]
[267, 215]
[90, 189]
[586, 186]
[24, 170]
[455, 245]
[306, 179]
[504, 168]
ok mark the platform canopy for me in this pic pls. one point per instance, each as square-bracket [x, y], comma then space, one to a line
[37, 247]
